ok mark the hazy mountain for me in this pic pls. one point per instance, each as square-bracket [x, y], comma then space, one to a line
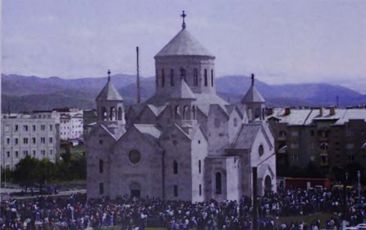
[26, 93]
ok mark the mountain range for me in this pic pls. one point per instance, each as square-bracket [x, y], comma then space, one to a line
[27, 93]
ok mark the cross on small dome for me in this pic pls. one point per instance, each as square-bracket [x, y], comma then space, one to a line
[109, 74]
[183, 15]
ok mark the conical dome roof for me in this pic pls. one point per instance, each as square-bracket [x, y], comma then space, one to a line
[109, 93]
[252, 95]
[183, 44]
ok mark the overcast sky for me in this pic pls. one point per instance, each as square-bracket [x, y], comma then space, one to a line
[282, 41]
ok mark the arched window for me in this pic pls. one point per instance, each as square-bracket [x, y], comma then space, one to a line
[120, 113]
[112, 113]
[162, 78]
[104, 113]
[195, 76]
[212, 78]
[101, 166]
[206, 80]
[186, 112]
[175, 167]
[194, 112]
[282, 133]
[235, 122]
[176, 111]
[183, 74]
[199, 166]
[171, 77]
[218, 183]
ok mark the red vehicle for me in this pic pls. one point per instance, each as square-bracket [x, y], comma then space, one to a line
[305, 183]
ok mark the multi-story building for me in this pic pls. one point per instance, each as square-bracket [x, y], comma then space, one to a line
[329, 138]
[69, 119]
[24, 135]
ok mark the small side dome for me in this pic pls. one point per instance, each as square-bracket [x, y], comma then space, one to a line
[109, 92]
[252, 95]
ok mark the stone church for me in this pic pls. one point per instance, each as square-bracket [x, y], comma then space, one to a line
[183, 143]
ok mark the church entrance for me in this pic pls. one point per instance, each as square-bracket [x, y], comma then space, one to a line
[135, 190]
[267, 184]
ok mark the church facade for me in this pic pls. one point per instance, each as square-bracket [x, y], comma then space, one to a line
[183, 143]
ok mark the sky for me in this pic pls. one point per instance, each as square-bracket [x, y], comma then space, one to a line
[282, 41]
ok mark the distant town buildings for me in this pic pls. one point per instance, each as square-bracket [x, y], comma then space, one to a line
[329, 138]
[32, 135]
[70, 120]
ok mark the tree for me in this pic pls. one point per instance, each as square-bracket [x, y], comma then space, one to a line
[25, 172]
[45, 172]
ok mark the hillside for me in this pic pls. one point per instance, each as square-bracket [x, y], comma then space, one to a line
[27, 93]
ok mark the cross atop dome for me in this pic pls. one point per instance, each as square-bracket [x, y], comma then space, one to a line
[183, 15]
[109, 74]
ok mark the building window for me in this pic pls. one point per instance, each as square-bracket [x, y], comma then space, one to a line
[16, 154]
[206, 80]
[25, 153]
[260, 150]
[195, 76]
[100, 142]
[51, 140]
[212, 78]
[51, 152]
[8, 140]
[282, 133]
[175, 167]
[235, 122]
[34, 153]
[101, 166]
[25, 128]
[43, 152]
[34, 128]
[8, 154]
[171, 77]
[200, 190]
[25, 140]
[43, 140]
[101, 188]
[182, 73]
[199, 166]
[162, 78]
[33, 140]
[43, 127]
[218, 183]
[16, 141]
[175, 187]
[16, 128]
[50, 127]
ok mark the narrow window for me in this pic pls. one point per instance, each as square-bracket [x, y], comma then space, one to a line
[162, 78]
[25, 140]
[34, 128]
[200, 189]
[50, 127]
[182, 73]
[195, 76]
[25, 127]
[16, 141]
[175, 167]
[101, 188]
[218, 183]
[101, 166]
[212, 78]
[8, 140]
[16, 154]
[206, 77]
[171, 77]
[16, 127]
[156, 78]
[8, 154]
[199, 166]
[175, 190]
[51, 140]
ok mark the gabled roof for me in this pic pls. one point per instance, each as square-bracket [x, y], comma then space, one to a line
[182, 91]
[148, 129]
[109, 93]
[246, 136]
[183, 44]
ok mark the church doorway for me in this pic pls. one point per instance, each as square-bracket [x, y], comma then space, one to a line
[135, 190]
[267, 184]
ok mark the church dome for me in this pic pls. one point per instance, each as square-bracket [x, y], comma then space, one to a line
[184, 44]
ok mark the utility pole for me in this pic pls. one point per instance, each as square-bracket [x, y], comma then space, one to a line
[255, 205]
[138, 76]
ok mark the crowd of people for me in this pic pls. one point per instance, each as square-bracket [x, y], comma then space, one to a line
[76, 212]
